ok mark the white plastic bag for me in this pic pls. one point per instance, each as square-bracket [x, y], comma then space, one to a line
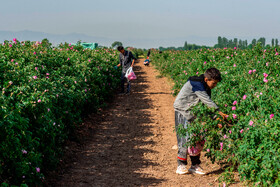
[130, 75]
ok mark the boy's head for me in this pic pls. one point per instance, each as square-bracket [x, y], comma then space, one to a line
[212, 76]
[121, 49]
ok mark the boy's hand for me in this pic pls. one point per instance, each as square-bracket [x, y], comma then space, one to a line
[223, 115]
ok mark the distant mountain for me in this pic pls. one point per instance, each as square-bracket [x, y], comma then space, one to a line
[135, 42]
[127, 41]
[53, 38]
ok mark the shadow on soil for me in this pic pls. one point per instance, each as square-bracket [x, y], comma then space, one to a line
[111, 152]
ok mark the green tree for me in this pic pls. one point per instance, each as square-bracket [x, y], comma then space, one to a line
[235, 41]
[46, 43]
[276, 42]
[186, 45]
[254, 42]
[116, 44]
[225, 42]
[220, 42]
[240, 44]
[230, 44]
[262, 41]
[272, 42]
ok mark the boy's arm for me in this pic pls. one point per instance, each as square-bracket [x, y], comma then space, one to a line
[205, 98]
[120, 61]
[133, 59]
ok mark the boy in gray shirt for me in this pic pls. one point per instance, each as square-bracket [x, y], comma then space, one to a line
[195, 90]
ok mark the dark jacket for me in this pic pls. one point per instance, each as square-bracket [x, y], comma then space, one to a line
[126, 60]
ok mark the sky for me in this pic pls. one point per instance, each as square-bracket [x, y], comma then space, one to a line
[156, 22]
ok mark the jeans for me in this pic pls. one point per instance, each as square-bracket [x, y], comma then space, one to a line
[123, 79]
[182, 140]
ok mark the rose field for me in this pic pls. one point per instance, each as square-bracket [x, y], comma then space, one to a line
[45, 92]
[248, 94]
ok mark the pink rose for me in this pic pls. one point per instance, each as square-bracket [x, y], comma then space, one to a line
[244, 97]
[271, 116]
[234, 102]
[265, 80]
[234, 116]
[250, 71]
[38, 169]
[241, 131]
[208, 150]
[221, 144]
[251, 123]
[234, 65]
[265, 75]
[233, 108]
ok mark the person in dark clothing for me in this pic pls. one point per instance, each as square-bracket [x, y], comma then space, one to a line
[126, 61]
[148, 54]
[195, 90]
[147, 61]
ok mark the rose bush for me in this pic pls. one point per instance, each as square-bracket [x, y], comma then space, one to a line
[45, 92]
[249, 94]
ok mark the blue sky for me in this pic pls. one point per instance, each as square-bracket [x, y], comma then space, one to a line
[134, 20]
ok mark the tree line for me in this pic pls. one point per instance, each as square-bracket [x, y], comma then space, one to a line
[185, 47]
[243, 44]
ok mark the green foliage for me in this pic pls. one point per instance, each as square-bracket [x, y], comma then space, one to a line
[116, 44]
[251, 144]
[45, 92]
[137, 52]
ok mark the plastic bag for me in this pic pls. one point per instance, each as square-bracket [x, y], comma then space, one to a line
[130, 75]
[194, 151]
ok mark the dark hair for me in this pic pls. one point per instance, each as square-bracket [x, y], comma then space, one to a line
[120, 48]
[213, 74]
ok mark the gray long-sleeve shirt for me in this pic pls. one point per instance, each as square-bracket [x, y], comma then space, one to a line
[191, 93]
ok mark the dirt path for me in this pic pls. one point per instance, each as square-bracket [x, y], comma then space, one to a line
[131, 143]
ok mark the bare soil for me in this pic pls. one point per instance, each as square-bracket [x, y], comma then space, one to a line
[132, 142]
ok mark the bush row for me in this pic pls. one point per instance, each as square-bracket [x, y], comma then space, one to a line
[45, 92]
[249, 94]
